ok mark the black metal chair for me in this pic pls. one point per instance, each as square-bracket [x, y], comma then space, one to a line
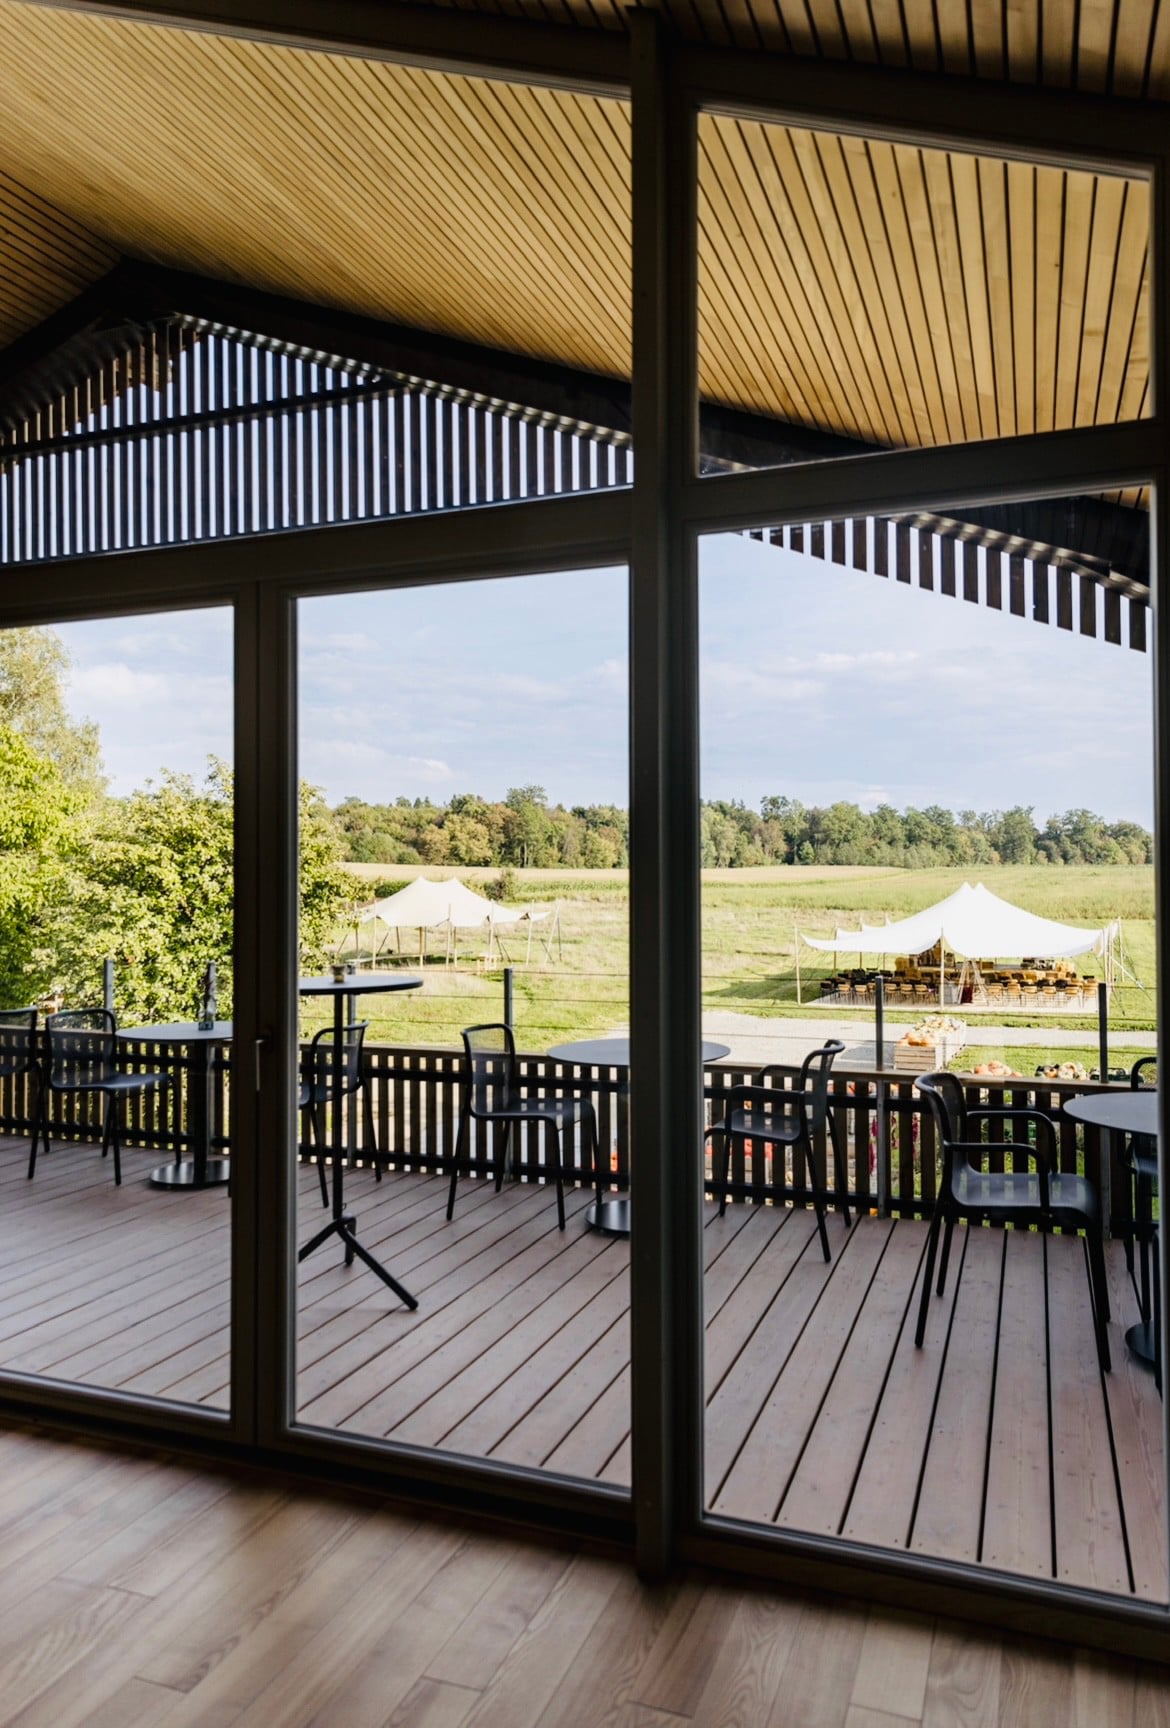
[491, 1093]
[1044, 1196]
[20, 1053]
[81, 1055]
[332, 1072]
[1141, 1161]
[774, 1117]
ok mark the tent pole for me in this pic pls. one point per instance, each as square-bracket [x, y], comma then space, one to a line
[796, 951]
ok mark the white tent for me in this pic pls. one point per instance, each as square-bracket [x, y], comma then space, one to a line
[451, 905]
[974, 924]
[425, 905]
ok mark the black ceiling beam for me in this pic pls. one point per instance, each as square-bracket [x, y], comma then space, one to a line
[103, 303]
[469, 43]
[587, 398]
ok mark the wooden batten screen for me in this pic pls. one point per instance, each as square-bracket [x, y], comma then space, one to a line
[197, 435]
[1051, 589]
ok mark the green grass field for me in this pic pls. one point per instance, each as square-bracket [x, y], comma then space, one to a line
[749, 965]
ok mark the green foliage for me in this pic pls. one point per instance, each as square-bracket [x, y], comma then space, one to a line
[153, 888]
[37, 818]
[33, 664]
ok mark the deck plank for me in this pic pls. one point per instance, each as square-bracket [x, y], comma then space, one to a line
[1017, 1530]
[1087, 1519]
[948, 1517]
[519, 1352]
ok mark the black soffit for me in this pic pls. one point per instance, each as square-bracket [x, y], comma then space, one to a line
[89, 346]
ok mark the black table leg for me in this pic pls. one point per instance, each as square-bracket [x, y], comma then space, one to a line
[341, 1224]
[201, 1170]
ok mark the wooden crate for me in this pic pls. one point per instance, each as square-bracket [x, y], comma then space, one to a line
[924, 1058]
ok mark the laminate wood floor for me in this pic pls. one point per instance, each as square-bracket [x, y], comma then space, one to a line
[998, 1444]
[145, 1592]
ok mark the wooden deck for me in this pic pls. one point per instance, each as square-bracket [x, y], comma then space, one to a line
[999, 1443]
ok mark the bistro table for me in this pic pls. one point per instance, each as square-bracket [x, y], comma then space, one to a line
[612, 1215]
[200, 1170]
[1126, 1112]
[342, 1224]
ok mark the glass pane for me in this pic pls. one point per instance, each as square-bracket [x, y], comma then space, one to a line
[463, 847]
[927, 781]
[117, 940]
[856, 295]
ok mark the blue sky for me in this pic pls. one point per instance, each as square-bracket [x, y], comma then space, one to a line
[816, 682]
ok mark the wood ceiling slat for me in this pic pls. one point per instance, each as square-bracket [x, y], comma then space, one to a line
[827, 30]
[1023, 41]
[1021, 182]
[849, 169]
[872, 215]
[889, 32]
[1158, 60]
[993, 203]
[1049, 235]
[1104, 245]
[1059, 43]
[960, 216]
[1095, 20]
[770, 294]
[46, 258]
[987, 25]
[910, 171]
[1134, 26]
[1079, 202]
[835, 261]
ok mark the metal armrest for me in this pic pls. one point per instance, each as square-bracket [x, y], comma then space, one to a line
[1038, 1158]
[1023, 1114]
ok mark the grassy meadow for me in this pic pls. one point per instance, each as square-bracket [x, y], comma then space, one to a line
[749, 955]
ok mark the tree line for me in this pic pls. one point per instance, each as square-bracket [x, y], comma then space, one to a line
[525, 830]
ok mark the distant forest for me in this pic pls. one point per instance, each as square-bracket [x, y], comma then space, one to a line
[525, 830]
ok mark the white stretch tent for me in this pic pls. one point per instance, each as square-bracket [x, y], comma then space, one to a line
[428, 905]
[975, 924]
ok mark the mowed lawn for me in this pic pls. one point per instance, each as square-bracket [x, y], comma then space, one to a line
[750, 918]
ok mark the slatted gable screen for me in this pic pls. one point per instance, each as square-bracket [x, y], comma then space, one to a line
[197, 435]
[925, 557]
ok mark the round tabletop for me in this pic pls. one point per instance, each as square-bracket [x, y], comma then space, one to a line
[615, 1052]
[359, 984]
[1126, 1112]
[180, 1032]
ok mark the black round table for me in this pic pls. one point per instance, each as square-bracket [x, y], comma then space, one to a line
[1126, 1112]
[200, 1170]
[344, 991]
[611, 1215]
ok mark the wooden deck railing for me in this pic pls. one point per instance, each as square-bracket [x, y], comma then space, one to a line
[889, 1138]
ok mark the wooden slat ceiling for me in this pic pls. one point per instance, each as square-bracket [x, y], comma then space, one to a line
[1121, 47]
[45, 258]
[899, 296]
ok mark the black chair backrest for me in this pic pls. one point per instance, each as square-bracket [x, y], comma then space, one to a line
[1143, 1076]
[490, 1053]
[18, 1040]
[82, 1045]
[814, 1081]
[948, 1106]
[333, 1066]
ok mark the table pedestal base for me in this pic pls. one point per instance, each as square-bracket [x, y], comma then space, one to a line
[610, 1216]
[185, 1174]
[343, 1227]
[1139, 1341]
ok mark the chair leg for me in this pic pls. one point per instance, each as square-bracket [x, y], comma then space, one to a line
[371, 1135]
[1099, 1292]
[841, 1172]
[40, 1113]
[595, 1143]
[116, 1143]
[726, 1137]
[927, 1277]
[819, 1187]
[557, 1140]
[317, 1137]
[946, 1255]
[502, 1161]
[464, 1119]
